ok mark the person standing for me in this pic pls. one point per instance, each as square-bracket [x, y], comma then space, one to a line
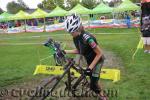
[128, 22]
[145, 24]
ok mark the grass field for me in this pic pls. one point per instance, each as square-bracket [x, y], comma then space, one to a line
[17, 61]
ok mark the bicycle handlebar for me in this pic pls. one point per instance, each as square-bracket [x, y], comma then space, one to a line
[61, 55]
[53, 44]
[56, 47]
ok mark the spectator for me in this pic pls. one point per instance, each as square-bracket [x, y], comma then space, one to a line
[1, 26]
[9, 24]
[4, 25]
[29, 22]
[128, 21]
[32, 22]
[145, 25]
[18, 24]
[61, 20]
[102, 17]
[35, 23]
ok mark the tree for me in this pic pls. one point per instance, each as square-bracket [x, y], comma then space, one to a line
[51, 4]
[47, 4]
[71, 4]
[59, 3]
[1, 11]
[23, 4]
[40, 5]
[136, 1]
[90, 4]
[13, 7]
[115, 3]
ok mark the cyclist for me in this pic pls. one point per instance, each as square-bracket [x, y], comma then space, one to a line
[87, 46]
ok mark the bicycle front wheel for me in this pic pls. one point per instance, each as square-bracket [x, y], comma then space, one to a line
[45, 88]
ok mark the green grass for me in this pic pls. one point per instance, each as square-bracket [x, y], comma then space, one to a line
[17, 63]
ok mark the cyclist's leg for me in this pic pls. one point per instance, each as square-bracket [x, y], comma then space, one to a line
[97, 69]
[95, 78]
[94, 85]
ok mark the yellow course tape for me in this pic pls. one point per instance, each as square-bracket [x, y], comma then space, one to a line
[139, 46]
[112, 74]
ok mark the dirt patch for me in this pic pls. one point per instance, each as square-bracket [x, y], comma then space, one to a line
[22, 90]
[112, 60]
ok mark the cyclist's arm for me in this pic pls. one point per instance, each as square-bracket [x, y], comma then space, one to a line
[98, 52]
[75, 51]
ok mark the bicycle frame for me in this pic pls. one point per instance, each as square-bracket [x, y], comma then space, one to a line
[68, 73]
[70, 63]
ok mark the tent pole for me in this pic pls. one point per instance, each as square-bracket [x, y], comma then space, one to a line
[94, 28]
[44, 25]
[7, 27]
[89, 19]
[25, 24]
[113, 15]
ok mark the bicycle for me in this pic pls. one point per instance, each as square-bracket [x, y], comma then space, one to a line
[76, 86]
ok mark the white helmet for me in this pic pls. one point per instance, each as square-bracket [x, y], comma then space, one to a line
[72, 23]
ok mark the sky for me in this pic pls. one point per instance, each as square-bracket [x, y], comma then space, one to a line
[29, 3]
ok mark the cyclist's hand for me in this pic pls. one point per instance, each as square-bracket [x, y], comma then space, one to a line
[88, 72]
[61, 53]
